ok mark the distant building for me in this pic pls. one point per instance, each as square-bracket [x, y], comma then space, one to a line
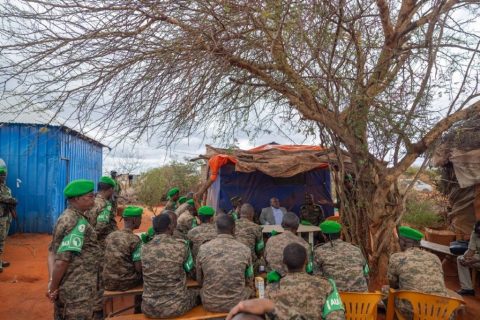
[42, 156]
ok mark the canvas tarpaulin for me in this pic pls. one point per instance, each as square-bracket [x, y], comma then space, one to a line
[467, 167]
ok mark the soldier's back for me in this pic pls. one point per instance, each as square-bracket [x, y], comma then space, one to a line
[274, 250]
[201, 234]
[248, 233]
[344, 263]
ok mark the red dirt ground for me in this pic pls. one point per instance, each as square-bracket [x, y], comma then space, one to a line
[24, 283]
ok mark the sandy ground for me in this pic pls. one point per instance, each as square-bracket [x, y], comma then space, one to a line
[23, 284]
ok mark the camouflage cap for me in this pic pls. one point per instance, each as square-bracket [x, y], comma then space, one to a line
[206, 211]
[182, 200]
[108, 180]
[329, 227]
[410, 233]
[132, 211]
[78, 188]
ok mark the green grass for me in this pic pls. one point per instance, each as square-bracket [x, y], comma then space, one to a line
[421, 214]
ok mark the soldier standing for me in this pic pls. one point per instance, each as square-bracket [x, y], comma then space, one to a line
[276, 244]
[309, 297]
[75, 265]
[165, 261]
[249, 233]
[236, 202]
[414, 269]
[340, 260]
[123, 267]
[224, 267]
[103, 217]
[205, 232]
[172, 196]
[7, 212]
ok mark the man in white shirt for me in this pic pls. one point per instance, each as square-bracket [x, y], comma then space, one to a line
[273, 214]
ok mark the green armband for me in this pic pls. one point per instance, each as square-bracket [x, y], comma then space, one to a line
[74, 240]
[274, 233]
[104, 215]
[188, 264]
[147, 236]
[366, 269]
[234, 216]
[259, 246]
[333, 302]
[273, 276]
[137, 253]
[309, 267]
[194, 223]
[249, 271]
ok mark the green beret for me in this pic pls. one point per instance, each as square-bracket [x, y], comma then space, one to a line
[329, 227]
[78, 188]
[3, 170]
[132, 211]
[108, 180]
[206, 211]
[182, 200]
[410, 233]
[172, 192]
[191, 202]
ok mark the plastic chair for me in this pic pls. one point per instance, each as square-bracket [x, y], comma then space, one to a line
[360, 305]
[424, 306]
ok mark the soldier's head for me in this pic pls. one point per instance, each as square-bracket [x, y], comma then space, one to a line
[163, 224]
[308, 198]
[236, 201]
[173, 218]
[247, 211]
[476, 227]
[290, 222]
[295, 257]
[330, 230]
[274, 202]
[173, 194]
[132, 217]
[205, 214]
[3, 174]
[225, 225]
[189, 195]
[408, 237]
[79, 194]
[106, 186]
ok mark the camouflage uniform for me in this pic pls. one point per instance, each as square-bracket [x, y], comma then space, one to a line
[201, 234]
[274, 250]
[5, 217]
[165, 292]
[170, 205]
[344, 263]
[249, 234]
[104, 218]
[184, 223]
[299, 295]
[181, 209]
[416, 270]
[80, 283]
[313, 214]
[119, 272]
[222, 266]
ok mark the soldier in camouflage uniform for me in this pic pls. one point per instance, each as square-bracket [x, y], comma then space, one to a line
[205, 232]
[182, 206]
[73, 284]
[414, 269]
[340, 260]
[122, 269]
[311, 297]
[276, 244]
[224, 268]
[7, 212]
[188, 219]
[311, 212]
[236, 202]
[172, 196]
[164, 258]
[102, 216]
[249, 233]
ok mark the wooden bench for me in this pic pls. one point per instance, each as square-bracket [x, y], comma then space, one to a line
[196, 313]
[436, 248]
[109, 296]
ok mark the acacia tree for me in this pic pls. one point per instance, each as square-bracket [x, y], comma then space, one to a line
[365, 75]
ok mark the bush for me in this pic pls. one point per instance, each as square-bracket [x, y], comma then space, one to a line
[153, 185]
[421, 213]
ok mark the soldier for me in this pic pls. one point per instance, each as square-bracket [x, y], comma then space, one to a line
[117, 192]
[414, 269]
[206, 231]
[182, 206]
[188, 219]
[76, 253]
[123, 267]
[471, 259]
[249, 233]
[7, 212]
[311, 213]
[236, 202]
[172, 197]
[276, 244]
[311, 297]
[224, 267]
[102, 216]
[340, 260]
[165, 261]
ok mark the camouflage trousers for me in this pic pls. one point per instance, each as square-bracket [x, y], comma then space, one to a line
[153, 310]
[98, 303]
[73, 311]
[4, 226]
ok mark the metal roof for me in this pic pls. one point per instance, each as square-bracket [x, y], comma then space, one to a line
[45, 118]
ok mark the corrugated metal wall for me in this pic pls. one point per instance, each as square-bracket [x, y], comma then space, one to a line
[38, 170]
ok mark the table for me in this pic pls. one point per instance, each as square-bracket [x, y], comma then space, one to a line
[301, 229]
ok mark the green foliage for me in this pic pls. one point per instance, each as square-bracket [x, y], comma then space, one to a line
[411, 171]
[421, 213]
[153, 185]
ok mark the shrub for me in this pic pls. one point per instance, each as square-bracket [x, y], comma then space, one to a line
[421, 213]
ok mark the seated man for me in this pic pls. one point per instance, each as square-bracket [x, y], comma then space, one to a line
[122, 269]
[205, 232]
[224, 266]
[182, 206]
[236, 202]
[187, 220]
[311, 297]
[311, 213]
[276, 244]
[272, 215]
[414, 269]
[341, 261]
[471, 259]
[165, 292]
[249, 233]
